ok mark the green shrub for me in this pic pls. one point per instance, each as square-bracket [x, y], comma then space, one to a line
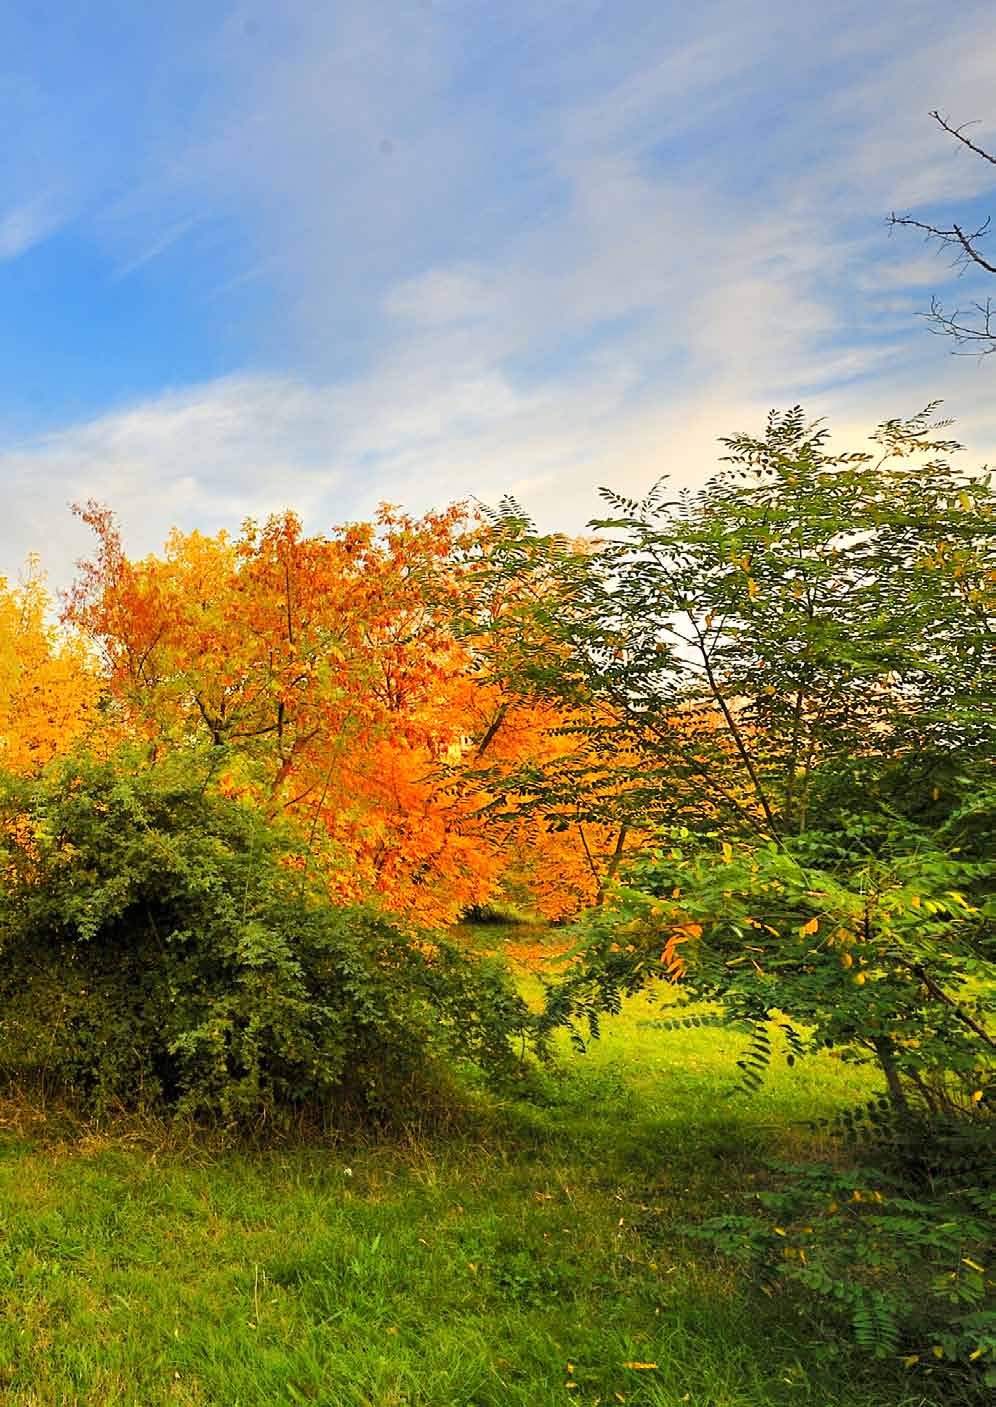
[902, 1260]
[165, 945]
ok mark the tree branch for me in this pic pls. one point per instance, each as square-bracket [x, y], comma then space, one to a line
[978, 338]
[959, 135]
[953, 237]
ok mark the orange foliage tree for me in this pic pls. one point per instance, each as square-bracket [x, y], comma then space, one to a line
[322, 670]
[351, 682]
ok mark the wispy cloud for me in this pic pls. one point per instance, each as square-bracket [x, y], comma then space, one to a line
[160, 244]
[532, 251]
[28, 224]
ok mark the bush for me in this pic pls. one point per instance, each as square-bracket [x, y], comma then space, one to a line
[901, 1259]
[161, 944]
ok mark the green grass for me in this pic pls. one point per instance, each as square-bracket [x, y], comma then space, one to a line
[517, 1258]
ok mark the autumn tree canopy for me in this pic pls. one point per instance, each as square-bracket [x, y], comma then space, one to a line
[348, 682]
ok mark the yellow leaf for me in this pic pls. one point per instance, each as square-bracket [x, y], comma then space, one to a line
[910, 1359]
[751, 587]
[914, 901]
[976, 1096]
[937, 1351]
[641, 1367]
[859, 979]
[778, 1231]
[809, 928]
[727, 851]
[980, 1268]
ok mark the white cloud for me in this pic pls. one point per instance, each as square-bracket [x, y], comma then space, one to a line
[416, 434]
[680, 278]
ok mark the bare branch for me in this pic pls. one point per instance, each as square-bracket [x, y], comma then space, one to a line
[977, 339]
[959, 135]
[955, 238]
[974, 337]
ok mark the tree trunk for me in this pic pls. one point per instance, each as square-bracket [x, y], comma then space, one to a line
[894, 1084]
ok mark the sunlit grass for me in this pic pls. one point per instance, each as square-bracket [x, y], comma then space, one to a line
[522, 1256]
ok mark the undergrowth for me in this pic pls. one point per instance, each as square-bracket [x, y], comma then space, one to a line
[495, 1253]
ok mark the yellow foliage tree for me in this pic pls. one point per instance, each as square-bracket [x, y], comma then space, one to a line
[49, 689]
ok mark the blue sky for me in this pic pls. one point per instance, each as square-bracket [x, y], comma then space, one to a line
[319, 255]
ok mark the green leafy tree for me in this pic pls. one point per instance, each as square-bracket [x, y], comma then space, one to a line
[797, 662]
[795, 666]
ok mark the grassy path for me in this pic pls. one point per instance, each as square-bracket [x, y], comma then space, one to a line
[524, 1259]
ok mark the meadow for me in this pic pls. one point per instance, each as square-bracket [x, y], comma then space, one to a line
[500, 1254]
